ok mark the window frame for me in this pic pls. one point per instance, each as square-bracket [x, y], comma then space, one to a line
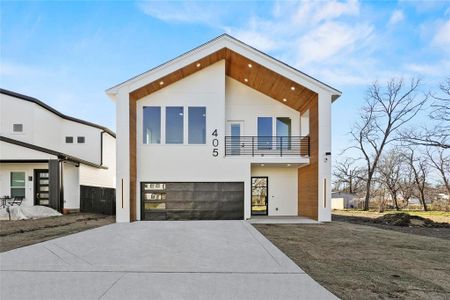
[11, 186]
[69, 140]
[144, 138]
[189, 125]
[83, 140]
[17, 124]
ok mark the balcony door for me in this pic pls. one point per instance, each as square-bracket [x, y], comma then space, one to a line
[235, 129]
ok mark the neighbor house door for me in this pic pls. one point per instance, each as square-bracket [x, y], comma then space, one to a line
[260, 193]
[41, 187]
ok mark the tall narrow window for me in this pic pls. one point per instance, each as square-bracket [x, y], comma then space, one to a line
[17, 184]
[174, 125]
[284, 133]
[264, 133]
[197, 125]
[151, 127]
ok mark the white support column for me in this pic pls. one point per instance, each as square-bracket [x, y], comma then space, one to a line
[122, 158]
[324, 157]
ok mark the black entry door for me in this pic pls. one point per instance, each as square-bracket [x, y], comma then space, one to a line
[260, 191]
[41, 187]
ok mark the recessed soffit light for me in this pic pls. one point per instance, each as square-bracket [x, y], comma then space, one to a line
[245, 79]
[249, 65]
[198, 65]
[284, 99]
[292, 88]
[161, 82]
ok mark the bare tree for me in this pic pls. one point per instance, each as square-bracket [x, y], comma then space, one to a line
[389, 171]
[386, 110]
[407, 183]
[347, 175]
[419, 166]
[439, 159]
[438, 134]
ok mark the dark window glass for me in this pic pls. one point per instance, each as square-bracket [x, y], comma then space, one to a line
[17, 184]
[17, 127]
[151, 127]
[80, 140]
[174, 125]
[69, 139]
[197, 125]
[264, 133]
[284, 133]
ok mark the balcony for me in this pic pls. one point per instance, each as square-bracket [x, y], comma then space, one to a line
[271, 146]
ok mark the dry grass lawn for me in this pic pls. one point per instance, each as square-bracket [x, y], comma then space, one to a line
[15, 234]
[364, 262]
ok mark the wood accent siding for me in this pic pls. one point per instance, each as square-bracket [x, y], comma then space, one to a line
[308, 176]
[133, 164]
[237, 67]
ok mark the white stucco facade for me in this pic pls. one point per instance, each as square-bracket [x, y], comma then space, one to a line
[226, 100]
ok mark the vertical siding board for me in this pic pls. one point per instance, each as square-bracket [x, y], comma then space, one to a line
[308, 176]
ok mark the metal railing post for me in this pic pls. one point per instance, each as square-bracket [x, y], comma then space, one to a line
[281, 146]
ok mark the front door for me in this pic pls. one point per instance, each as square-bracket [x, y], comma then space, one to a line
[260, 193]
[41, 187]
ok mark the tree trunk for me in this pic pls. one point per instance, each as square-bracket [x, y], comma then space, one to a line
[394, 198]
[368, 184]
[422, 197]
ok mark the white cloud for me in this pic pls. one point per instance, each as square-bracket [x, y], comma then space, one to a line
[182, 12]
[442, 36]
[396, 17]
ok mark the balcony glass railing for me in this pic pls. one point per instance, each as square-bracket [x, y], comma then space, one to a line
[267, 146]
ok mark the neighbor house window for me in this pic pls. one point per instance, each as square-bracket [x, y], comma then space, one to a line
[174, 125]
[69, 139]
[264, 133]
[80, 140]
[151, 126]
[197, 125]
[17, 127]
[17, 184]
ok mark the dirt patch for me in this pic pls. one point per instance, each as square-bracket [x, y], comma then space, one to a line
[363, 262]
[400, 222]
[15, 234]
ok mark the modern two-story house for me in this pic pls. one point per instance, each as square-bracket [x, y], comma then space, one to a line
[52, 159]
[223, 131]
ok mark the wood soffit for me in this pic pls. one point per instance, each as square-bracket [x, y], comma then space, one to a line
[243, 70]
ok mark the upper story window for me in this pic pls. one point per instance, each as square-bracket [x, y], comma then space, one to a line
[174, 125]
[197, 125]
[80, 140]
[17, 127]
[152, 125]
[265, 132]
[69, 139]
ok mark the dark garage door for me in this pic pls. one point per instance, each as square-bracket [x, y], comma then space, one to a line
[192, 201]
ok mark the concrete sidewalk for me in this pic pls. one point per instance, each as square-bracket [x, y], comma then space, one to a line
[157, 260]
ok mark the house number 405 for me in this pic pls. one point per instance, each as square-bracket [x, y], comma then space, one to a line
[215, 144]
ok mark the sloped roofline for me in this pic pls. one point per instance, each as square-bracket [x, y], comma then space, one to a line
[51, 109]
[58, 154]
[226, 37]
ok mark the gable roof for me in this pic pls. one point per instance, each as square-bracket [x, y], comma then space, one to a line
[58, 154]
[221, 47]
[51, 109]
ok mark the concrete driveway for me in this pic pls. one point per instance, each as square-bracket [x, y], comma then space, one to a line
[157, 260]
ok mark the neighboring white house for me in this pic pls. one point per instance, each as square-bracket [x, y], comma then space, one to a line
[342, 200]
[223, 131]
[52, 159]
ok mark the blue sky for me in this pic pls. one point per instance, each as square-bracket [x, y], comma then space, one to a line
[67, 53]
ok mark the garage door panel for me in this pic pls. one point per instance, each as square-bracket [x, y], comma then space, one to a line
[193, 200]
